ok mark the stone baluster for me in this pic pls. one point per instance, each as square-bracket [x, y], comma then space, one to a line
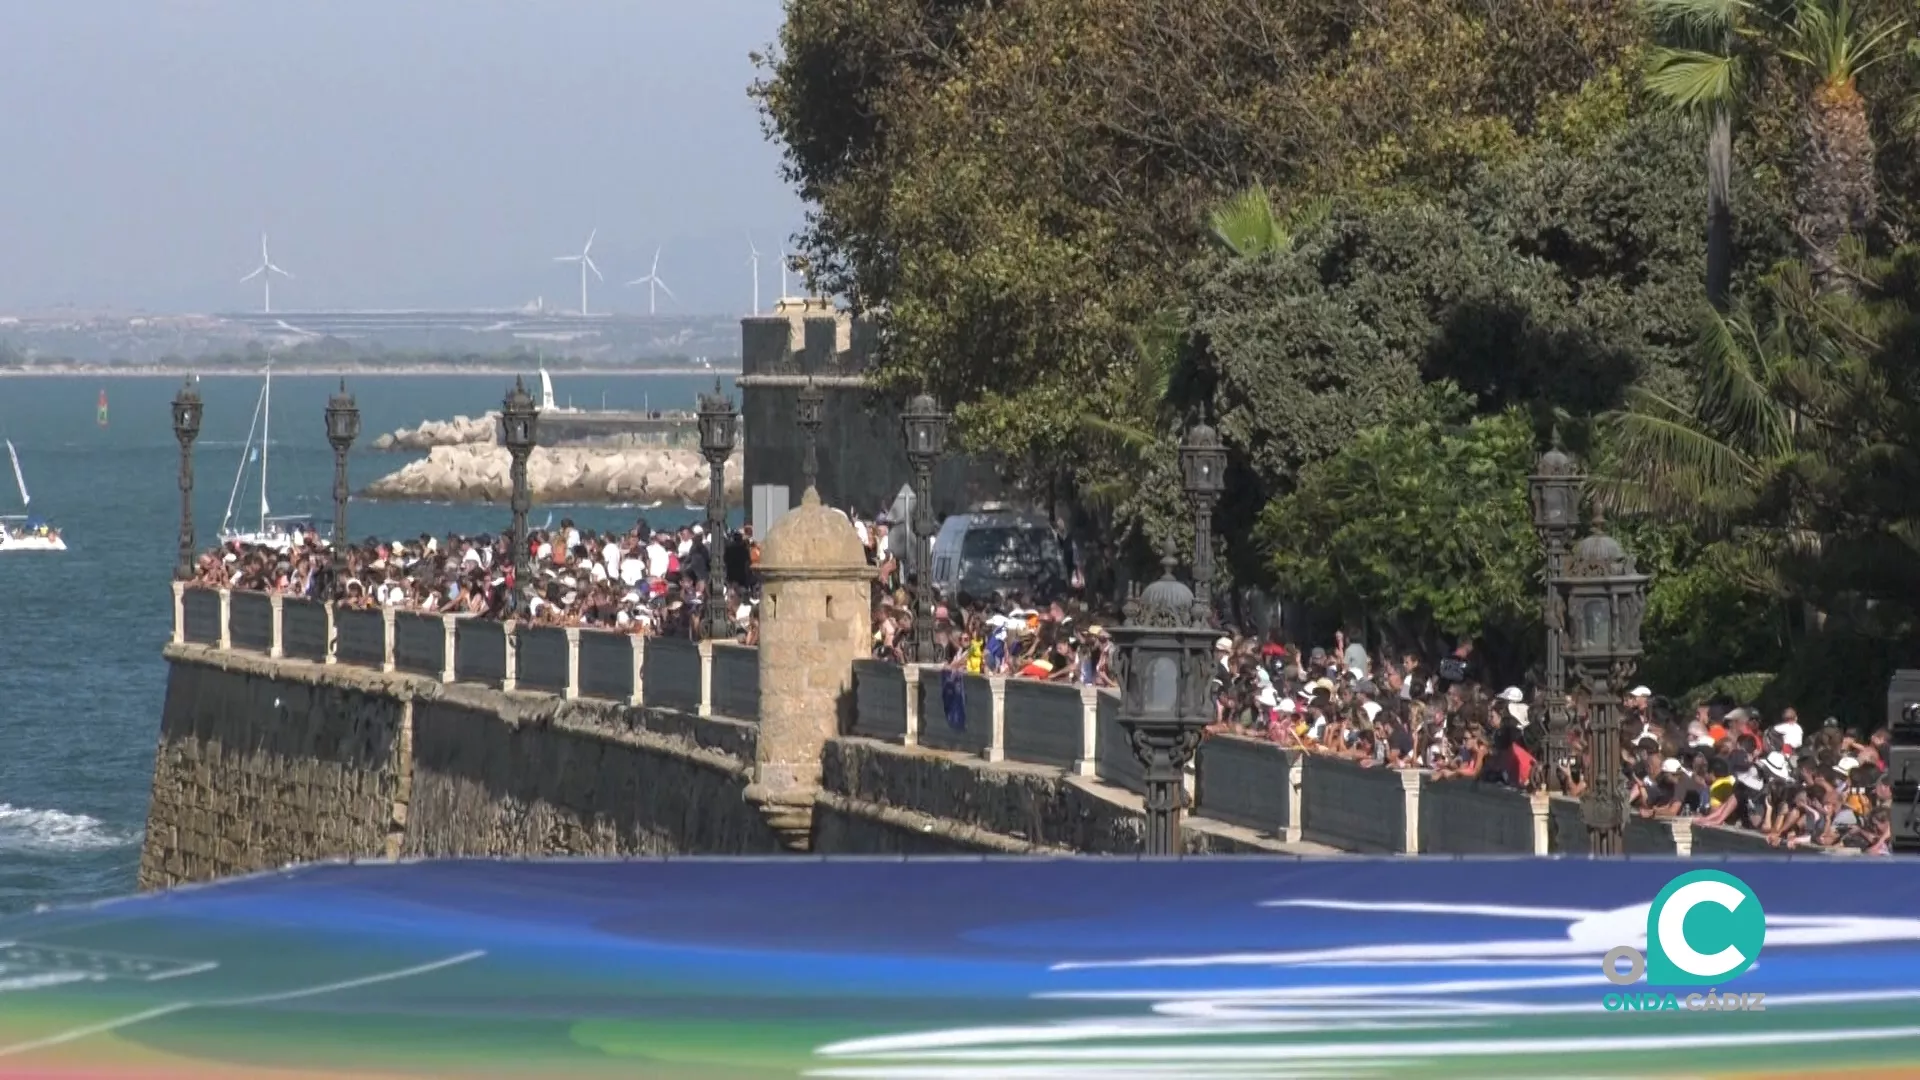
[386, 631]
[911, 736]
[1542, 806]
[573, 663]
[996, 748]
[1410, 783]
[1296, 781]
[450, 625]
[333, 636]
[179, 613]
[226, 619]
[705, 648]
[1682, 837]
[277, 644]
[639, 697]
[1088, 762]
[510, 674]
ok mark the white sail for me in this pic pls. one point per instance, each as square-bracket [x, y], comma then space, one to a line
[546, 392]
[19, 478]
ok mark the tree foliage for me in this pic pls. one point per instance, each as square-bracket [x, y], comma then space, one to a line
[1420, 523]
[1017, 185]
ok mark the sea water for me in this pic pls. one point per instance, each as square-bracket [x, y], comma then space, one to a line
[81, 676]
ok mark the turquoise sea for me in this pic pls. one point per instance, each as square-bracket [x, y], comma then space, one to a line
[81, 678]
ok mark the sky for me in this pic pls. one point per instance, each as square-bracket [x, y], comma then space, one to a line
[398, 153]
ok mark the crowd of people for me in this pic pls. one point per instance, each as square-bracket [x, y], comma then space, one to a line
[1725, 765]
[646, 581]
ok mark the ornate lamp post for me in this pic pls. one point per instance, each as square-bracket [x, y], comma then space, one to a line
[1203, 469]
[809, 408]
[1162, 657]
[343, 426]
[186, 428]
[519, 430]
[717, 419]
[1555, 486]
[1602, 599]
[925, 429]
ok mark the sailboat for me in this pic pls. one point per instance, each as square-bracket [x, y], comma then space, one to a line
[278, 533]
[19, 532]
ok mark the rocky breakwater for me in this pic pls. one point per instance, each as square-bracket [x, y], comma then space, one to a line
[459, 431]
[562, 474]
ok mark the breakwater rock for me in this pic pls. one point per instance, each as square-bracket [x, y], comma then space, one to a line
[459, 431]
[573, 474]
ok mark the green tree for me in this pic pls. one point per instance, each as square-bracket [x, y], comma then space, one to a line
[1420, 526]
[1017, 186]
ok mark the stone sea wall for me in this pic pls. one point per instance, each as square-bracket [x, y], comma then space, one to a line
[266, 762]
[565, 474]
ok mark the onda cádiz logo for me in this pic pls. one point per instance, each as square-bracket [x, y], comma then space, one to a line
[1705, 928]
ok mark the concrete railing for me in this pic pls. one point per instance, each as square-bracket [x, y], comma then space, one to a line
[1245, 782]
[673, 672]
[572, 662]
[733, 681]
[1251, 783]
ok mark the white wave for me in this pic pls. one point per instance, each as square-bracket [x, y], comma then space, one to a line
[26, 829]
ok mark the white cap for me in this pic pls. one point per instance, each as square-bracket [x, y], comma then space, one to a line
[1640, 691]
[1287, 706]
[1671, 765]
[1846, 765]
[1223, 645]
[1371, 708]
[1776, 763]
[1751, 779]
[1512, 695]
[1267, 698]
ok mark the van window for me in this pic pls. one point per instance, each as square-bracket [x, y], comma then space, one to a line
[1025, 544]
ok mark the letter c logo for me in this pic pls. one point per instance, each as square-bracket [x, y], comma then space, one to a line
[1723, 911]
[1673, 934]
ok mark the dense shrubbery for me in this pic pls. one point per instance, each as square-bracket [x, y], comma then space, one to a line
[1507, 201]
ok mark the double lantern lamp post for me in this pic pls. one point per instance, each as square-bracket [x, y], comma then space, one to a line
[1555, 491]
[718, 425]
[186, 428]
[519, 432]
[924, 427]
[343, 426]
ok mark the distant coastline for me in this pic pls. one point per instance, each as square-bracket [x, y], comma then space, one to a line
[124, 371]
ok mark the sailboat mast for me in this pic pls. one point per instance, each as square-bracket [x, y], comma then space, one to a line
[266, 440]
[19, 480]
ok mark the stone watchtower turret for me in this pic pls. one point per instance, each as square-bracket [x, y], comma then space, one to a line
[814, 620]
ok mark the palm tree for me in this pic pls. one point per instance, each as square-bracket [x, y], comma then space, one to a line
[1708, 55]
[1248, 225]
[1702, 68]
[1836, 195]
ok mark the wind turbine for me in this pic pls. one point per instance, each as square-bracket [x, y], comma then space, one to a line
[652, 281]
[265, 271]
[755, 260]
[585, 259]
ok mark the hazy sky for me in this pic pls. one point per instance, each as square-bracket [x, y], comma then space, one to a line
[399, 153]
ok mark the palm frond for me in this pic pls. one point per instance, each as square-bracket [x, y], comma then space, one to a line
[1696, 20]
[1692, 80]
[1826, 37]
[1245, 223]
